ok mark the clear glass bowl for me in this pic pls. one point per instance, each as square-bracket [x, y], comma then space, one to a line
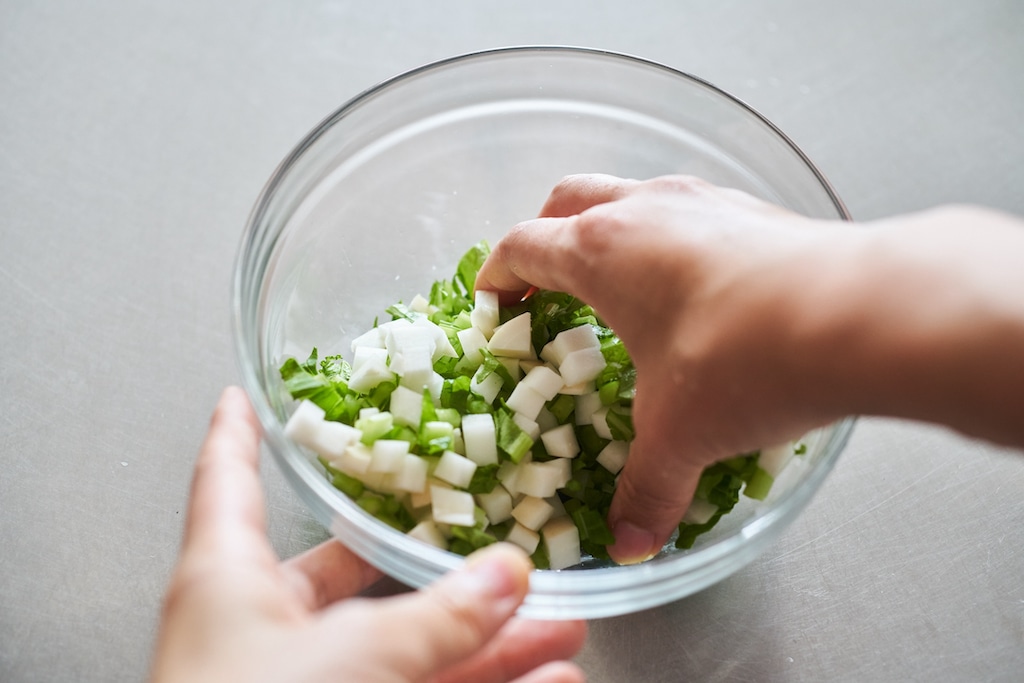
[382, 198]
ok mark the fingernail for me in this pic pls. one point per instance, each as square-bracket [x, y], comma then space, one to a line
[632, 544]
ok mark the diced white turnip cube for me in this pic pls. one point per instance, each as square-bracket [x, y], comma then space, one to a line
[539, 479]
[599, 420]
[525, 401]
[401, 335]
[365, 353]
[508, 474]
[371, 338]
[406, 406]
[579, 389]
[420, 499]
[532, 512]
[455, 469]
[381, 482]
[412, 476]
[581, 366]
[613, 456]
[325, 437]
[527, 539]
[484, 315]
[561, 441]
[772, 460]
[435, 386]
[388, 455]
[530, 427]
[568, 341]
[428, 532]
[303, 423]
[415, 367]
[487, 389]
[513, 338]
[355, 461]
[586, 406]
[562, 542]
[480, 439]
[699, 512]
[442, 345]
[420, 304]
[472, 340]
[544, 380]
[496, 504]
[370, 373]
[449, 506]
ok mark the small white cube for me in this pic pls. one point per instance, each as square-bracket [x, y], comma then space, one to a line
[449, 506]
[472, 340]
[599, 420]
[540, 479]
[527, 539]
[496, 504]
[428, 532]
[582, 366]
[613, 456]
[455, 469]
[562, 542]
[561, 441]
[480, 438]
[513, 338]
[388, 455]
[355, 461]
[525, 401]
[532, 512]
[412, 476]
[406, 406]
[487, 389]
[484, 315]
[544, 380]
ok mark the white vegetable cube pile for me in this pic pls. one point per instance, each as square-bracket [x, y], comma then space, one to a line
[449, 426]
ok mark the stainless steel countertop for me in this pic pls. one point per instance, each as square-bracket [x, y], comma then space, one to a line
[134, 137]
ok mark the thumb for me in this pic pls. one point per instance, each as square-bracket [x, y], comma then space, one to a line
[654, 488]
[453, 618]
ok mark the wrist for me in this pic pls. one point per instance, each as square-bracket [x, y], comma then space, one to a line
[918, 317]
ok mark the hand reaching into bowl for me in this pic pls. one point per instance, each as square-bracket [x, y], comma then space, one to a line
[750, 325]
[232, 612]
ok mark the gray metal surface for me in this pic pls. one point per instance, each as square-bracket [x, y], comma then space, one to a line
[134, 137]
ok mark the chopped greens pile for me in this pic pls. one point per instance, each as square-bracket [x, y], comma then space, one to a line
[463, 423]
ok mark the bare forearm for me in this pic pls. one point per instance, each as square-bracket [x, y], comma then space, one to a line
[922, 317]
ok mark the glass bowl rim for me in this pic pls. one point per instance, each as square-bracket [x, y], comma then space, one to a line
[655, 574]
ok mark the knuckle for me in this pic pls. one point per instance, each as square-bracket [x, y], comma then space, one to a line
[680, 183]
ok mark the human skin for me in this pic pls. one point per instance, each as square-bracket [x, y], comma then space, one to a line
[749, 325]
[233, 612]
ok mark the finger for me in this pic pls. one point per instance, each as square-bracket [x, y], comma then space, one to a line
[534, 253]
[531, 254]
[520, 647]
[328, 573]
[577, 193]
[555, 672]
[225, 517]
[450, 620]
[654, 488]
